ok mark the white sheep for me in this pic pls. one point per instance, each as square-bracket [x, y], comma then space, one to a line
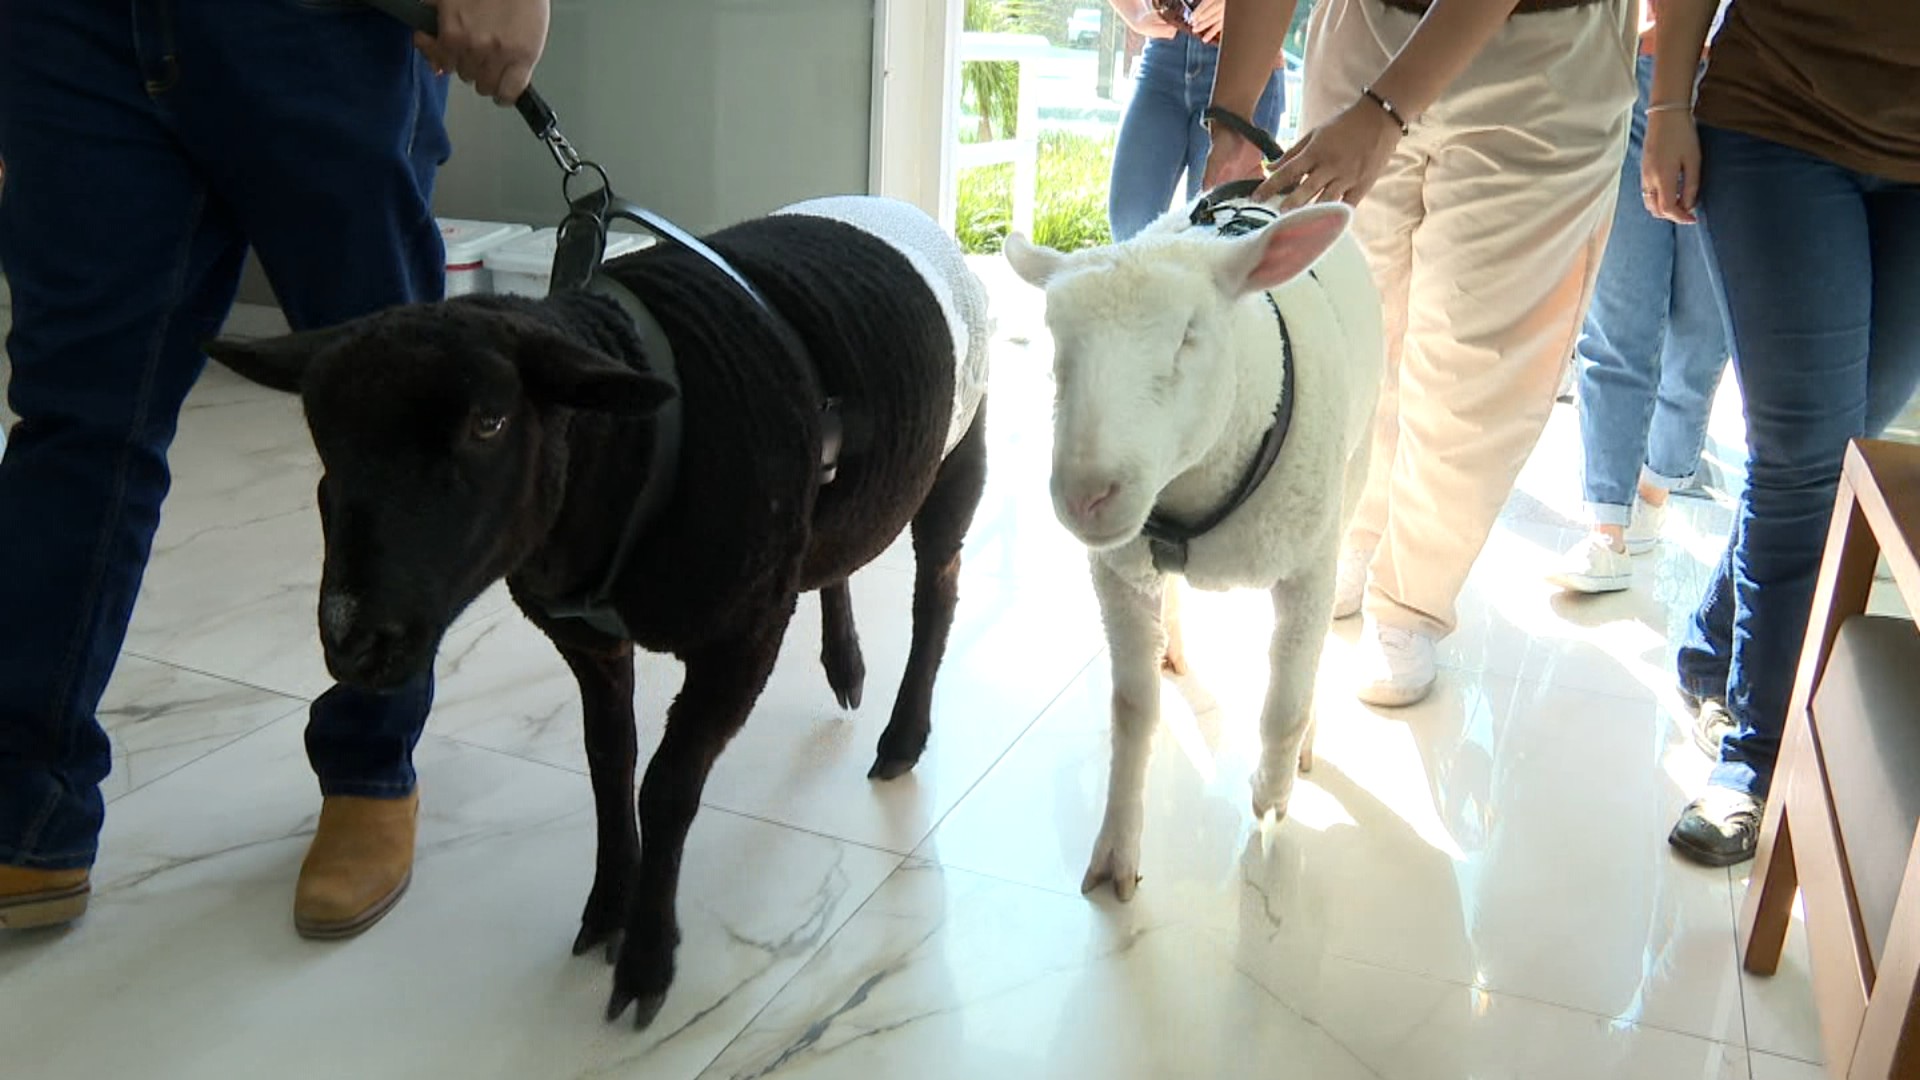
[1168, 369]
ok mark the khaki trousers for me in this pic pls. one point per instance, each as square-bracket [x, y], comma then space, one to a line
[1484, 233]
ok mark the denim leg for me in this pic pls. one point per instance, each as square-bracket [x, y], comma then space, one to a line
[120, 261]
[1618, 356]
[1161, 135]
[1800, 244]
[1691, 363]
[1704, 662]
[343, 122]
[1152, 145]
[1203, 60]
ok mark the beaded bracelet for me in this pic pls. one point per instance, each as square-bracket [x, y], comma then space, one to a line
[1393, 114]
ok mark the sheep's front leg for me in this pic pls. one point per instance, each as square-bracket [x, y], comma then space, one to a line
[1174, 660]
[1300, 609]
[1136, 643]
[723, 681]
[605, 675]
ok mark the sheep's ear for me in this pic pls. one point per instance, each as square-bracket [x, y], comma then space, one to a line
[556, 371]
[276, 362]
[1282, 251]
[1034, 264]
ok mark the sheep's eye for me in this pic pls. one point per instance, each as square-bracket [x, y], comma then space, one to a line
[487, 427]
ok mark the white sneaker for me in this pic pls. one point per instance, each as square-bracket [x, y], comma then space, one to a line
[1350, 583]
[1396, 666]
[1594, 567]
[1643, 528]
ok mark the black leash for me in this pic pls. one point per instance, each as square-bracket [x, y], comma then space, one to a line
[579, 247]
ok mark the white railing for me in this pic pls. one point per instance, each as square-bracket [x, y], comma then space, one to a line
[1023, 149]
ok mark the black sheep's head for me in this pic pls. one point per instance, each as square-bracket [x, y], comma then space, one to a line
[439, 431]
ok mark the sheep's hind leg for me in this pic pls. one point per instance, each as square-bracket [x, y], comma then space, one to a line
[1286, 721]
[723, 681]
[939, 531]
[840, 645]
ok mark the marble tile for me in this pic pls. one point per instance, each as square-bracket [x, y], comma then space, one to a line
[161, 718]
[1773, 1067]
[1504, 834]
[1781, 1019]
[187, 965]
[950, 974]
[801, 760]
[1513, 622]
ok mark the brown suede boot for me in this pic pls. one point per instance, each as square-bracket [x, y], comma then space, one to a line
[34, 898]
[359, 865]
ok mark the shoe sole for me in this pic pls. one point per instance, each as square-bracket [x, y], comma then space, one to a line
[1642, 547]
[46, 909]
[1702, 855]
[316, 930]
[1384, 697]
[1592, 586]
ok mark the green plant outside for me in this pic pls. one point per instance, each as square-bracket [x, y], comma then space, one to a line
[1070, 211]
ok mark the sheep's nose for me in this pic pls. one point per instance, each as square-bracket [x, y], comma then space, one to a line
[1085, 498]
[364, 649]
[352, 640]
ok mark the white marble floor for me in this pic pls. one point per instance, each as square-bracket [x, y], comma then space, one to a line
[1478, 887]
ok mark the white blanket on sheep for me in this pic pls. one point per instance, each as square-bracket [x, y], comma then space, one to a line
[943, 267]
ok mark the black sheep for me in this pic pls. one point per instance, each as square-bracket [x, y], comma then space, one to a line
[490, 437]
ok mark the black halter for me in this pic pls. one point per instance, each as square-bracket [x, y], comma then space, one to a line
[1168, 539]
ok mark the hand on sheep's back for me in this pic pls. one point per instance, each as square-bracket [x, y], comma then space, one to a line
[1339, 161]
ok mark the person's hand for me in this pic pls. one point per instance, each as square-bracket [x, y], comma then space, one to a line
[493, 44]
[1208, 19]
[1148, 22]
[1337, 161]
[1670, 166]
[1230, 158]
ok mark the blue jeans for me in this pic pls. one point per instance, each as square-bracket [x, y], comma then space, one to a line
[147, 145]
[1821, 271]
[1653, 348]
[1161, 137]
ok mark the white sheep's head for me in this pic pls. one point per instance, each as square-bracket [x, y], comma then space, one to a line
[1144, 365]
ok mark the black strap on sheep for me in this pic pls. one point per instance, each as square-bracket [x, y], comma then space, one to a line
[578, 252]
[1167, 539]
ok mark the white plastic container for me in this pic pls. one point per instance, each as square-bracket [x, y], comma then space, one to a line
[523, 266]
[467, 244]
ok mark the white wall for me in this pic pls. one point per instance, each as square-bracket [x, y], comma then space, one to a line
[707, 112]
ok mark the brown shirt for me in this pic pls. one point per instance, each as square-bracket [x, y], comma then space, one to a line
[1837, 78]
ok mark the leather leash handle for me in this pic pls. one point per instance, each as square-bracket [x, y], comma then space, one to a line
[540, 118]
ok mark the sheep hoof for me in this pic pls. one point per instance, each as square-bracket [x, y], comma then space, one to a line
[1174, 662]
[646, 1007]
[849, 697]
[591, 936]
[1116, 863]
[1271, 795]
[890, 768]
